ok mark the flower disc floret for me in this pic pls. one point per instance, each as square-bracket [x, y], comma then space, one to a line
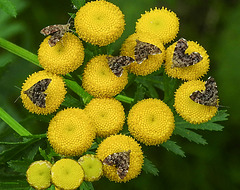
[99, 81]
[38, 174]
[151, 121]
[92, 167]
[161, 23]
[188, 109]
[192, 72]
[99, 22]
[149, 65]
[67, 174]
[107, 115]
[55, 92]
[66, 56]
[121, 143]
[70, 132]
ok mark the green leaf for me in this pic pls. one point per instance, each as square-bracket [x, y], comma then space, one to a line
[221, 115]
[8, 7]
[13, 123]
[123, 98]
[139, 94]
[172, 146]
[78, 3]
[86, 186]
[70, 101]
[16, 185]
[19, 165]
[151, 91]
[149, 167]
[190, 135]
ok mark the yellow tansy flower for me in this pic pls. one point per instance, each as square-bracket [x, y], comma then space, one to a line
[70, 132]
[38, 174]
[192, 72]
[151, 64]
[99, 22]
[66, 56]
[121, 143]
[161, 23]
[151, 121]
[99, 81]
[67, 174]
[92, 167]
[55, 92]
[187, 108]
[107, 115]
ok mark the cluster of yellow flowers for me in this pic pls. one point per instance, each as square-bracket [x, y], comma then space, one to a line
[72, 131]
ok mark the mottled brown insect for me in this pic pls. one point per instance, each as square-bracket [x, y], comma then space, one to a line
[56, 31]
[209, 96]
[36, 92]
[180, 59]
[117, 63]
[143, 49]
[121, 160]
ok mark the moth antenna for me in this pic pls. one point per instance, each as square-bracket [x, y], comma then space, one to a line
[17, 99]
[18, 87]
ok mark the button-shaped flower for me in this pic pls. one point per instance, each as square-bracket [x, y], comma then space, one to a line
[192, 72]
[161, 23]
[54, 93]
[99, 22]
[66, 56]
[152, 63]
[99, 81]
[116, 144]
[151, 121]
[107, 115]
[70, 132]
[187, 108]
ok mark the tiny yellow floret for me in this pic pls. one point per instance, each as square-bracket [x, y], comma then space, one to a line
[121, 143]
[192, 72]
[161, 23]
[38, 174]
[151, 121]
[99, 22]
[153, 63]
[188, 109]
[66, 56]
[70, 132]
[55, 92]
[107, 115]
[99, 81]
[67, 174]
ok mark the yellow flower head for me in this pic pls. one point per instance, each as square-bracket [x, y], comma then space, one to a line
[192, 72]
[70, 132]
[99, 22]
[107, 115]
[151, 64]
[55, 92]
[121, 143]
[99, 81]
[38, 174]
[161, 23]
[66, 56]
[187, 108]
[151, 121]
[92, 167]
[67, 174]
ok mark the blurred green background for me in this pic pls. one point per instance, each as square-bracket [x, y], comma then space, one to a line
[214, 24]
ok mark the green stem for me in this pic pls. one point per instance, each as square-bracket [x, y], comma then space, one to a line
[125, 99]
[13, 123]
[17, 50]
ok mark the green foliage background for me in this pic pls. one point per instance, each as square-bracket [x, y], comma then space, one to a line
[213, 23]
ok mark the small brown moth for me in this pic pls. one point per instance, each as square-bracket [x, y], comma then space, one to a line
[143, 49]
[117, 63]
[209, 96]
[57, 31]
[121, 160]
[180, 59]
[36, 92]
